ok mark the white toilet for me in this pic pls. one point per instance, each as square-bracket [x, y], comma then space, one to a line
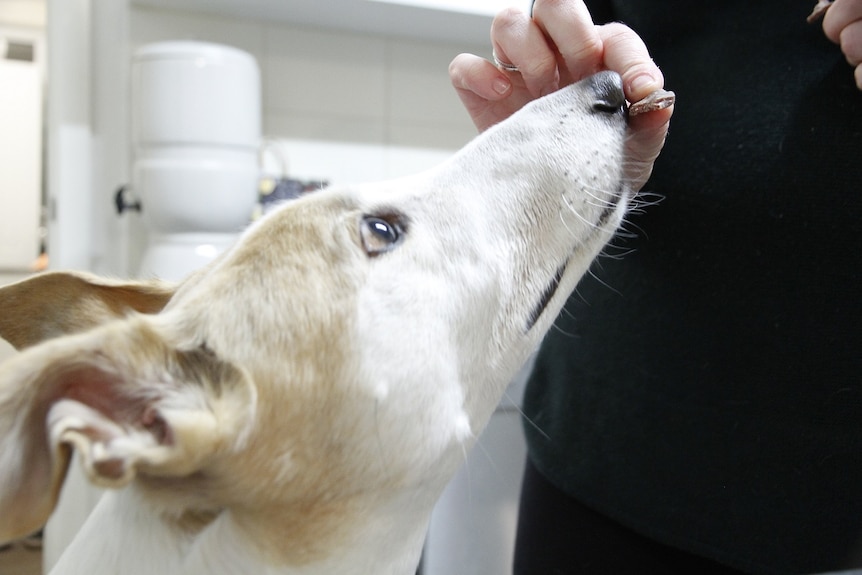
[196, 134]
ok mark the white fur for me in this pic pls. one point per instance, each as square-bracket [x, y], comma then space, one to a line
[297, 407]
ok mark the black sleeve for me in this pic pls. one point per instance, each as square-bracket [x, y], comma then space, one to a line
[602, 11]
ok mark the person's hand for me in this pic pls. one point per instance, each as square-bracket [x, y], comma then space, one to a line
[843, 25]
[560, 45]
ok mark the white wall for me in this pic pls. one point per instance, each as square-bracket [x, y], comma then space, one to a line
[20, 163]
[332, 85]
[70, 187]
[21, 106]
[23, 13]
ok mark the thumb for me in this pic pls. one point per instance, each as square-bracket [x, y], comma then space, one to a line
[647, 134]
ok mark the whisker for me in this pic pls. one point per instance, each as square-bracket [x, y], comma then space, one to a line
[617, 257]
[560, 330]
[488, 456]
[604, 283]
[577, 214]
[599, 195]
[625, 232]
[532, 423]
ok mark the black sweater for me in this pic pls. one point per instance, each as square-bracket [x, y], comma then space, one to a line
[706, 390]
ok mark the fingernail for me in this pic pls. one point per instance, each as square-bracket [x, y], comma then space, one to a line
[501, 86]
[642, 84]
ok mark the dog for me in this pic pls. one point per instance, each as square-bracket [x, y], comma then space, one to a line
[297, 406]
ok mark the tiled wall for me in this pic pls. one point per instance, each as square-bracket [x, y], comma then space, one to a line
[385, 104]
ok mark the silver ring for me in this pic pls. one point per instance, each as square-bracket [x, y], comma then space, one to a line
[503, 65]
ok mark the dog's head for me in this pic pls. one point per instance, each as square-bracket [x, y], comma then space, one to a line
[348, 347]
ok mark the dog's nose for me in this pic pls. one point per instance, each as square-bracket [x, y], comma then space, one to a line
[608, 90]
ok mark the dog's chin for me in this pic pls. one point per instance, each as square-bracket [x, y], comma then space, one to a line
[605, 225]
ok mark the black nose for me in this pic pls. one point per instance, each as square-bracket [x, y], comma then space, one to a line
[608, 90]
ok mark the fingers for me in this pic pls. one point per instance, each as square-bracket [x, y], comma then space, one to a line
[843, 25]
[518, 40]
[555, 46]
[644, 143]
[851, 45]
[840, 15]
[478, 83]
[486, 92]
[558, 45]
[477, 76]
[569, 28]
[626, 54]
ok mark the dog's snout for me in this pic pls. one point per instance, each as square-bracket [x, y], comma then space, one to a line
[608, 91]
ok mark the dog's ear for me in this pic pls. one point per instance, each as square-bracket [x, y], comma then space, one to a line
[126, 401]
[60, 303]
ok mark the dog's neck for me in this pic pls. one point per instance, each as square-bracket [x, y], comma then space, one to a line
[386, 539]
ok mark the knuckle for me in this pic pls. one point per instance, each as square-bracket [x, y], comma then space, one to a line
[542, 5]
[851, 43]
[588, 47]
[540, 67]
[620, 37]
[643, 69]
[506, 20]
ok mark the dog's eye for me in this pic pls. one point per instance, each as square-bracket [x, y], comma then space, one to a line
[379, 234]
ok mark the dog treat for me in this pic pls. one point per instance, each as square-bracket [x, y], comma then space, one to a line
[658, 100]
[819, 10]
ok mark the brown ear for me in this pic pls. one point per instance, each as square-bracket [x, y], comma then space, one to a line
[60, 303]
[125, 400]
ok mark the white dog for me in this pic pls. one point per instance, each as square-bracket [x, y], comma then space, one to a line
[298, 406]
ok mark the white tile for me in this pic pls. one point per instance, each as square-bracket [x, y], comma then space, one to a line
[442, 136]
[403, 161]
[335, 162]
[324, 72]
[327, 127]
[21, 155]
[419, 87]
[158, 25]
